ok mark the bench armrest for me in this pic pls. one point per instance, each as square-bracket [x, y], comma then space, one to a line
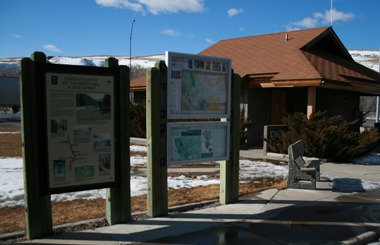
[312, 164]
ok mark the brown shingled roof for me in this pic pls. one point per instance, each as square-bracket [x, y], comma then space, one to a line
[296, 58]
[314, 57]
[269, 53]
[138, 84]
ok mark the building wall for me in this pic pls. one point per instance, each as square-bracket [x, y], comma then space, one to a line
[9, 91]
[259, 110]
[335, 102]
[139, 97]
[338, 102]
[296, 100]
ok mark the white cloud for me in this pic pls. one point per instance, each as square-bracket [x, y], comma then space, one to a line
[156, 6]
[292, 28]
[16, 36]
[321, 19]
[209, 40]
[233, 11]
[337, 16]
[173, 6]
[137, 7]
[306, 23]
[241, 29]
[52, 48]
[171, 32]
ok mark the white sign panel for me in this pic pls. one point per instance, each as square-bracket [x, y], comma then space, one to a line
[198, 86]
[198, 142]
[80, 129]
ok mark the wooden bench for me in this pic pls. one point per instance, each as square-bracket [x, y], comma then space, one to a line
[302, 174]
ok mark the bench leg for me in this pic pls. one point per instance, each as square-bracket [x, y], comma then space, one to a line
[301, 183]
[314, 180]
[318, 174]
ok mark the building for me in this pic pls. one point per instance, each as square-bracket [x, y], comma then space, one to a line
[296, 71]
[138, 88]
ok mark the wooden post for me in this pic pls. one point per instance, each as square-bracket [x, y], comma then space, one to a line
[118, 200]
[229, 170]
[37, 205]
[156, 140]
[311, 100]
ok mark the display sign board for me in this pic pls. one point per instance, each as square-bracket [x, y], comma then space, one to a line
[198, 86]
[80, 129]
[198, 142]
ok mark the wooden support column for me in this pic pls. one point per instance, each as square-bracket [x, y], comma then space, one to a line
[38, 222]
[118, 199]
[311, 100]
[229, 170]
[156, 140]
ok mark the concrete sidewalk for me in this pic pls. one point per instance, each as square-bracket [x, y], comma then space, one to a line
[270, 217]
[322, 216]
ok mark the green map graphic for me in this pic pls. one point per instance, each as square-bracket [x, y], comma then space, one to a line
[202, 91]
[188, 148]
[198, 143]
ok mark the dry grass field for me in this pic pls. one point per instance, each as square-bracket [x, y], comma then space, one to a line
[12, 219]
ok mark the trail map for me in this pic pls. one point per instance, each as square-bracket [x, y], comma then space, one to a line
[198, 87]
[80, 129]
[201, 141]
[197, 95]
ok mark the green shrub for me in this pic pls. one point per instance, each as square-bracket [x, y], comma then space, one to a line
[137, 120]
[325, 137]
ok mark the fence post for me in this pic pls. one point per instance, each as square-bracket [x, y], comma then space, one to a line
[229, 170]
[38, 217]
[118, 200]
[156, 140]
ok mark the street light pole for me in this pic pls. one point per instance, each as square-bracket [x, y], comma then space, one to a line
[130, 48]
[331, 13]
[131, 94]
[378, 99]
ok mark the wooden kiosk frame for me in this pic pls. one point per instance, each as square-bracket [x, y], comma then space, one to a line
[34, 71]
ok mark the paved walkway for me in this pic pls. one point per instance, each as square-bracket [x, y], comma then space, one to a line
[322, 216]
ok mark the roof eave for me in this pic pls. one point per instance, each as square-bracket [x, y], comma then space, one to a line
[329, 31]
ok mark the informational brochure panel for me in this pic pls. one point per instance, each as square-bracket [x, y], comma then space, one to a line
[198, 142]
[80, 132]
[198, 86]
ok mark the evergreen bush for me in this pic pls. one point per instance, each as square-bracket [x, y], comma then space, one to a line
[137, 120]
[325, 137]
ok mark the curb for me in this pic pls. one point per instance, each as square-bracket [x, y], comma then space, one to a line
[363, 238]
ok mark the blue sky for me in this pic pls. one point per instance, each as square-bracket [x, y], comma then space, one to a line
[103, 27]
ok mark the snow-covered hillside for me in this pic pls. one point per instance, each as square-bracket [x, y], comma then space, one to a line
[368, 58]
[9, 66]
[143, 61]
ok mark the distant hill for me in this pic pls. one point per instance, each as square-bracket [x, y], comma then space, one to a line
[368, 58]
[9, 66]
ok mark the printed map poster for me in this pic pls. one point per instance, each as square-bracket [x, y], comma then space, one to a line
[80, 134]
[198, 142]
[198, 86]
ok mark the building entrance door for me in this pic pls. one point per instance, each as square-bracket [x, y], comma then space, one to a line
[278, 106]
